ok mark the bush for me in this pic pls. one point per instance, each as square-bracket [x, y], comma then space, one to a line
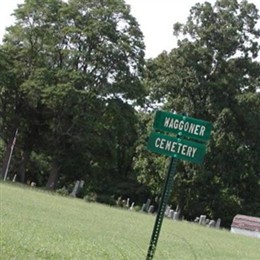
[105, 199]
[137, 208]
[91, 197]
[63, 191]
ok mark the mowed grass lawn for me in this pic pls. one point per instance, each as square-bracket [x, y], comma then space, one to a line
[41, 225]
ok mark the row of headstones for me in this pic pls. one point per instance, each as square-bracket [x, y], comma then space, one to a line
[148, 208]
[125, 203]
[175, 215]
[204, 221]
[28, 182]
[169, 213]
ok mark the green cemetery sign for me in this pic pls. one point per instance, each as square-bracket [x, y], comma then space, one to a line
[176, 147]
[182, 125]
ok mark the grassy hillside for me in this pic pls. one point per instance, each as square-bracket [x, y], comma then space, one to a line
[40, 225]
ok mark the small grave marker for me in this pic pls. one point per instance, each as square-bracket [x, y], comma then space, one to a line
[176, 215]
[151, 209]
[132, 206]
[212, 223]
[147, 205]
[75, 189]
[202, 220]
[143, 207]
[171, 214]
[218, 223]
[128, 202]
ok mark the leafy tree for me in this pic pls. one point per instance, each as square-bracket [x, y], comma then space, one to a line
[213, 75]
[150, 167]
[71, 59]
[9, 104]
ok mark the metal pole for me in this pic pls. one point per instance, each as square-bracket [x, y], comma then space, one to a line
[162, 206]
[10, 155]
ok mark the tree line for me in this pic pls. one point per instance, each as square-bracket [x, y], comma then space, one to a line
[75, 84]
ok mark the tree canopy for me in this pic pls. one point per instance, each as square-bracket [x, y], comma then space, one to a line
[74, 82]
[70, 62]
[213, 75]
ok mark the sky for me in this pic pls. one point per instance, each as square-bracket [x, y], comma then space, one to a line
[156, 19]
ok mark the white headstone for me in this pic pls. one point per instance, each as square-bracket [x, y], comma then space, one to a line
[176, 215]
[168, 208]
[81, 184]
[151, 208]
[218, 223]
[171, 213]
[132, 206]
[147, 205]
[197, 219]
[14, 178]
[212, 223]
[128, 203]
[75, 189]
[143, 207]
[202, 220]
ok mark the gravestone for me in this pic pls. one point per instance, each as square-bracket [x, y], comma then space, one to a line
[143, 208]
[202, 220]
[147, 205]
[81, 184]
[14, 178]
[176, 215]
[151, 209]
[75, 189]
[119, 202]
[171, 213]
[212, 223]
[196, 220]
[128, 203]
[132, 206]
[218, 223]
[246, 225]
[168, 208]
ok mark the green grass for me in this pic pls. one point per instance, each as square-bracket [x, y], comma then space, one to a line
[41, 225]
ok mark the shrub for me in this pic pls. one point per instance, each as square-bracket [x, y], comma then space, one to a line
[91, 197]
[105, 199]
[63, 191]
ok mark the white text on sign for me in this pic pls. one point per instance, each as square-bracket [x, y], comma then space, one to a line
[184, 126]
[175, 147]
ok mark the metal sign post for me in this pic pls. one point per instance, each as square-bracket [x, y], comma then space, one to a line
[167, 188]
[183, 146]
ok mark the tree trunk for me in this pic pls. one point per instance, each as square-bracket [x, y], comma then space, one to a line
[6, 158]
[22, 165]
[53, 177]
